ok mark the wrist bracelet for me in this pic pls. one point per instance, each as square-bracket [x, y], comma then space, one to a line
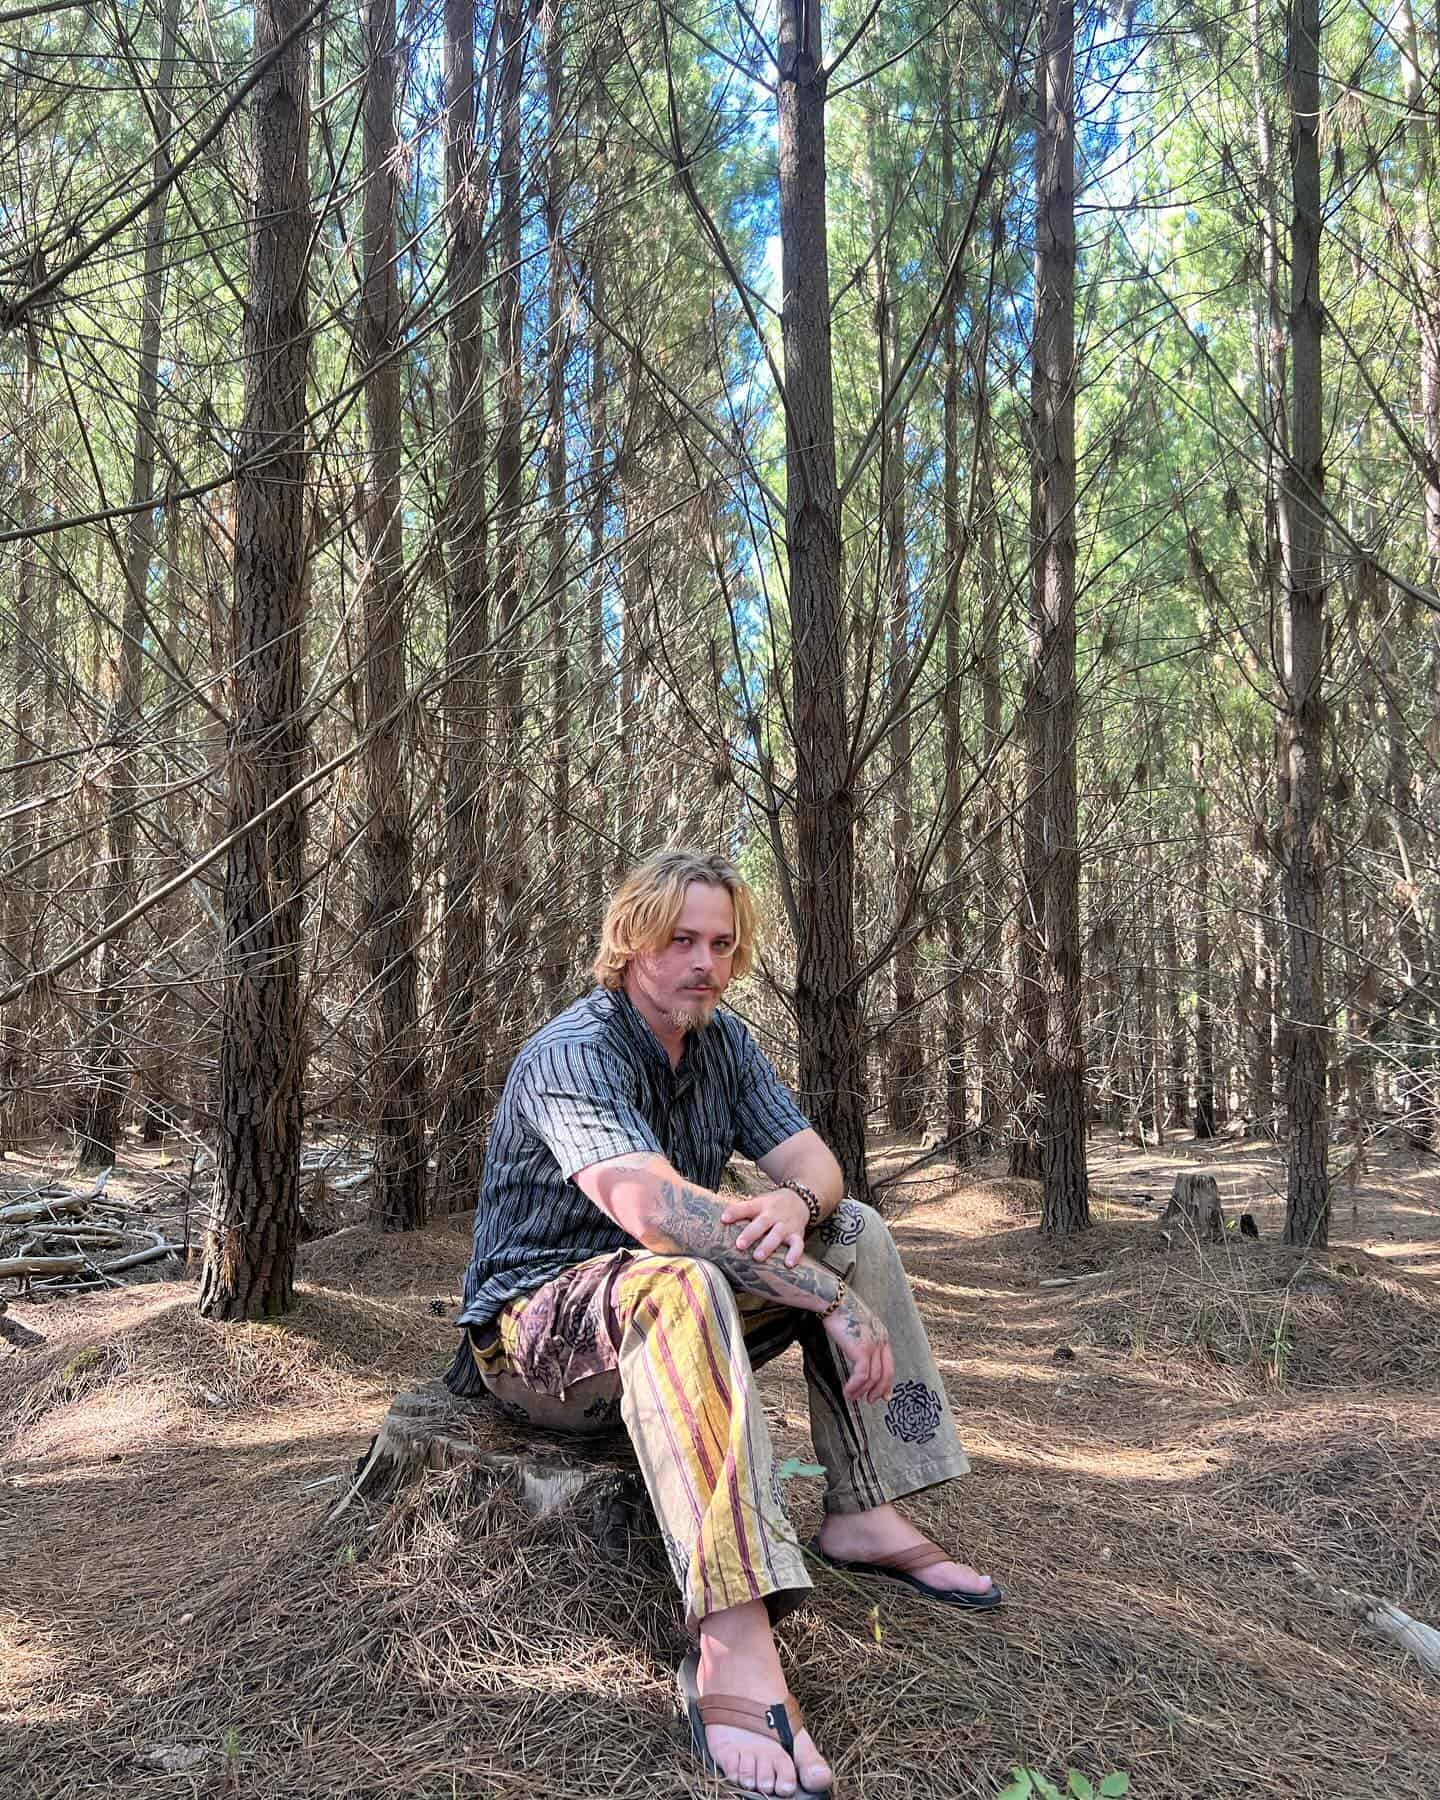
[809, 1196]
[839, 1296]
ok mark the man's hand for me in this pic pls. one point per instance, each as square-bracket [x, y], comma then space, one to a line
[862, 1337]
[779, 1217]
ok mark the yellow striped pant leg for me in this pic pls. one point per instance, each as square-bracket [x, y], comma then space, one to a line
[690, 1403]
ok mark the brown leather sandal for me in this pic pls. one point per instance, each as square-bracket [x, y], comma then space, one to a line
[905, 1566]
[782, 1723]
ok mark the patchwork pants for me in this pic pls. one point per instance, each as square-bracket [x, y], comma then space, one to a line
[666, 1344]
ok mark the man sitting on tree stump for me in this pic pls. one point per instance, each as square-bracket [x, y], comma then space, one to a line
[609, 1277]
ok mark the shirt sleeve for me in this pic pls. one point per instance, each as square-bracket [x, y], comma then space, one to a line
[582, 1102]
[765, 1113]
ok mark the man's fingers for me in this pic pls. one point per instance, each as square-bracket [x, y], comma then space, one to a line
[774, 1238]
[738, 1209]
[881, 1373]
[796, 1250]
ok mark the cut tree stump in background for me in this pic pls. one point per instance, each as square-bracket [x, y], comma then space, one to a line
[1195, 1205]
[596, 1478]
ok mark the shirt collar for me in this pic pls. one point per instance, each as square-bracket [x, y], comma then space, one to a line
[692, 1052]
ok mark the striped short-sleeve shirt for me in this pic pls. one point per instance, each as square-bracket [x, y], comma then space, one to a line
[593, 1084]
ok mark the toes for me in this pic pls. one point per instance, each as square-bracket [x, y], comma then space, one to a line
[810, 1764]
[813, 1770]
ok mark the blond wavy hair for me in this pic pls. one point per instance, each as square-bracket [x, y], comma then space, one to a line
[643, 910]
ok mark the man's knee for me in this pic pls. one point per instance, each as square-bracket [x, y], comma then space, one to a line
[853, 1222]
[680, 1288]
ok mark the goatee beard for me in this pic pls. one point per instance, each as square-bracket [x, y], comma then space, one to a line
[693, 1017]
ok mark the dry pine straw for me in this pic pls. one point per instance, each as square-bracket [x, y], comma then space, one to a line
[1144, 1502]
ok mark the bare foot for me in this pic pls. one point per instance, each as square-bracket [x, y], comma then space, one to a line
[738, 1656]
[864, 1536]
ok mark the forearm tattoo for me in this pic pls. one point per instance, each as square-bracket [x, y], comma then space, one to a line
[690, 1219]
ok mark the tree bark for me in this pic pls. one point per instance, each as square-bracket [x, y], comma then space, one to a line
[250, 1247]
[956, 1119]
[1307, 1211]
[992, 874]
[905, 1050]
[108, 1063]
[1203, 1120]
[460, 1134]
[1177, 1104]
[827, 999]
[1421, 1077]
[556, 976]
[510, 958]
[1410, 1026]
[16, 913]
[1149, 1059]
[1050, 690]
[397, 1058]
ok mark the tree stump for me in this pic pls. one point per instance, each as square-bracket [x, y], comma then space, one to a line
[1195, 1205]
[597, 1479]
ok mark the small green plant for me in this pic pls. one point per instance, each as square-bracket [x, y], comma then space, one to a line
[1279, 1346]
[347, 1556]
[1030, 1784]
[233, 1751]
[90, 1361]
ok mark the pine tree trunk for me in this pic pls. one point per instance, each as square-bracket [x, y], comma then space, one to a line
[510, 958]
[460, 1134]
[158, 1072]
[1307, 1213]
[826, 998]
[1422, 1081]
[397, 1065]
[1203, 1122]
[1410, 1021]
[1150, 1058]
[956, 1120]
[992, 874]
[108, 1063]
[1176, 1087]
[597, 481]
[250, 1247]
[16, 910]
[1026, 1157]
[630, 841]
[1051, 691]
[556, 976]
[1266, 977]
[905, 1052]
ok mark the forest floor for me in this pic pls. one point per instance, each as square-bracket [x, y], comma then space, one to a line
[1179, 1457]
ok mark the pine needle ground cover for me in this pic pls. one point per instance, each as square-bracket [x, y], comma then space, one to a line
[1182, 1458]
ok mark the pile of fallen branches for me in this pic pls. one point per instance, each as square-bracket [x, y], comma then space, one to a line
[53, 1237]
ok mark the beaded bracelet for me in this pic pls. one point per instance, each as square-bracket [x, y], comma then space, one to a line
[809, 1196]
[839, 1296]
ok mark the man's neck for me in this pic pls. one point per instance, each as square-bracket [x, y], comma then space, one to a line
[670, 1036]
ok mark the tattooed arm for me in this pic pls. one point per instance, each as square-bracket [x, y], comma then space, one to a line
[646, 1196]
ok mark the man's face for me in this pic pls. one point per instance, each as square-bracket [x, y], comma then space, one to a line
[683, 980]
